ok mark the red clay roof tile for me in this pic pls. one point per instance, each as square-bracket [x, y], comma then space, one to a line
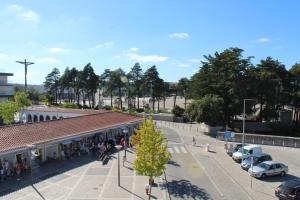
[21, 135]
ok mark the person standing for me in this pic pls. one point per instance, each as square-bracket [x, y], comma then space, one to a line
[194, 141]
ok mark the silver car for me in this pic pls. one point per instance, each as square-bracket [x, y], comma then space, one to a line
[268, 168]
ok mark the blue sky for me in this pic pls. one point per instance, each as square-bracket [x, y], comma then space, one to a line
[174, 35]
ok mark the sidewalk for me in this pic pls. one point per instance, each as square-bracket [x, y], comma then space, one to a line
[83, 178]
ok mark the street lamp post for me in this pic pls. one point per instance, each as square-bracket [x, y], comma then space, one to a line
[244, 116]
[118, 147]
[125, 131]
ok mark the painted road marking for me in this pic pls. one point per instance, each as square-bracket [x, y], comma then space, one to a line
[183, 149]
[176, 149]
[170, 150]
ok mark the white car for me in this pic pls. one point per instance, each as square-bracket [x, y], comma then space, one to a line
[248, 151]
[268, 168]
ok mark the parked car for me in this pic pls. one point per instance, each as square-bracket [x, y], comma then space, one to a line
[234, 149]
[288, 190]
[246, 152]
[268, 168]
[258, 158]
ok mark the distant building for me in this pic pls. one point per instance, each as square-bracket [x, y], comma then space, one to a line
[6, 89]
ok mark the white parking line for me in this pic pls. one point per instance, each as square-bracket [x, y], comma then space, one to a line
[183, 149]
[176, 149]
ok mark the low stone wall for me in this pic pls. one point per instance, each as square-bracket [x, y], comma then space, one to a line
[159, 117]
[193, 127]
[264, 139]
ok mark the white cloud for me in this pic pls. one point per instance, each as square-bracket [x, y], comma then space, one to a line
[25, 14]
[263, 40]
[48, 60]
[180, 64]
[104, 45]
[149, 58]
[58, 50]
[179, 35]
[194, 60]
[117, 57]
[133, 49]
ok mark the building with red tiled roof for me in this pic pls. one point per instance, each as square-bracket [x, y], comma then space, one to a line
[42, 113]
[49, 137]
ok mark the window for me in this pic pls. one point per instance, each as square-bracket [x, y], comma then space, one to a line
[251, 151]
[278, 166]
[273, 167]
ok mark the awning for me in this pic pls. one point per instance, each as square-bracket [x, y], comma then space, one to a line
[77, 139]
[67, 142]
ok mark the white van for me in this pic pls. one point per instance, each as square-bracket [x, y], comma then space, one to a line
[248, 151]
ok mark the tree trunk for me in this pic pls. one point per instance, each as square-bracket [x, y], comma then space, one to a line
[120, 98]
[184, 103]
[158, 105]
[175, 100]
[164, 103]
[153, 102]
[111, 99]
[138, 101]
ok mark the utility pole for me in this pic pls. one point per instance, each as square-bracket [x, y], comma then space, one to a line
[26, 64]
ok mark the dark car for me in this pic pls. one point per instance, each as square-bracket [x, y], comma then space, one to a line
[288, 190]
[235, 148]
[258, 158]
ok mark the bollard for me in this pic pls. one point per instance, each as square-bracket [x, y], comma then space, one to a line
[207, 147]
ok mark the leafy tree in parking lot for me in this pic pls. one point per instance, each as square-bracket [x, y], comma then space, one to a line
[152, 154]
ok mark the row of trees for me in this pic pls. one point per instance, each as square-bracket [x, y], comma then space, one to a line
[75, 85]
[226, 78]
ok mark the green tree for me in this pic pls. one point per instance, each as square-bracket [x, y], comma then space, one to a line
[223, 74]
[183, 86]
[178, 111]
[152, 83]
[271, 77]
[52, 83]
[207, 109]
[107, 84]
[118, 81]
[22, 100]
[136, 75]
[7, 111]
[152, 154]
[10, 108]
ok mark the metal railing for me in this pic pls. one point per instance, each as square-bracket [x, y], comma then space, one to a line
[264, 139]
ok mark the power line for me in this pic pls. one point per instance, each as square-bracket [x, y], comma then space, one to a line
[26, 64]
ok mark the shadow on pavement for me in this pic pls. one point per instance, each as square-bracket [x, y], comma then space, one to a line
[184, 189]
[131, 192]
[172, 162]
[45, 171]
[280, 178]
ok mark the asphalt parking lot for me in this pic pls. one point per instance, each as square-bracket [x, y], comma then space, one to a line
[227, 174]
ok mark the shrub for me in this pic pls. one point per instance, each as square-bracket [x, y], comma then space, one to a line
[139, 110]
[69, 105]
[178, 111]
[106, 107]
[207, 109]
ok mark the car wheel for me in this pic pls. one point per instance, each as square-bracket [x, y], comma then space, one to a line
[263, 176]
[282, 173]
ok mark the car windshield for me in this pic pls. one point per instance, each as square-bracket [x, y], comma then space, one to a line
[264, 165]
[254, 159]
